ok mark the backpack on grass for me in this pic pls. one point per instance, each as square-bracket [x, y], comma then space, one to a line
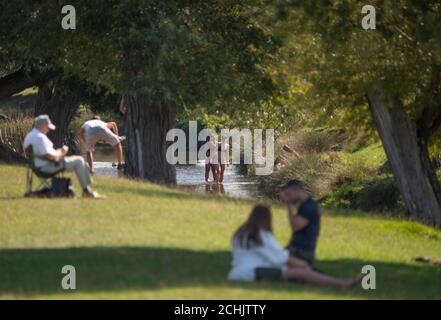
[62, 187]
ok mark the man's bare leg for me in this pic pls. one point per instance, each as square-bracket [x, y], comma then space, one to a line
[89, 157]
[207, 172]
[309, 276]
[221, 172]
[119, 153]
[215, 171]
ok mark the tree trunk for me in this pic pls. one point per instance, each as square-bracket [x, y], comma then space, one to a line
[60, 108]
[147, 124]
[408, 157]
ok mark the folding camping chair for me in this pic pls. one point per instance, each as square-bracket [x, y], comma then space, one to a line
[44, 178]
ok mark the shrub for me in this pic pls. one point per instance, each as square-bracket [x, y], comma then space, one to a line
[320, 140]
[312, 168]
[360, 179]
[12, 134]
[324, 140]
[344, 196]
[350, 169]
[293, 139]
[377, 195]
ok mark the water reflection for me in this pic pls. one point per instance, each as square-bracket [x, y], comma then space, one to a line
[214, 188]
[235, 184]
[189, 177]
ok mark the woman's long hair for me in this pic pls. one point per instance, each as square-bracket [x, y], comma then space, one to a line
[248, 234]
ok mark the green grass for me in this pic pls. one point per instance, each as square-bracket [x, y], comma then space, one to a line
[372, 156]
[28, 91]
[147, 242]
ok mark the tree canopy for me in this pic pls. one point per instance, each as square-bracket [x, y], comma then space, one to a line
[180, 52]
[227, 58]
[388, 78]
[344, 60]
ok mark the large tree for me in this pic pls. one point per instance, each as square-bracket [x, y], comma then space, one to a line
[29, 45]
[393, 71]
[32, 45]
[164, 55]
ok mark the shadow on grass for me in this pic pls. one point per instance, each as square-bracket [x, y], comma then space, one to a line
[31, 272]
[141, 189]
[11, 198]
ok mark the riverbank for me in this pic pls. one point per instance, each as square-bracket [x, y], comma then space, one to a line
[342, 170]
[188, 177]
[191, 178]
[147, 241]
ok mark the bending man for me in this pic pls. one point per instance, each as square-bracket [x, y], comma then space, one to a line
[95, 130]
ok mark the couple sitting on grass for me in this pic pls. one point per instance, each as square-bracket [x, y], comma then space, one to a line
[257, 255]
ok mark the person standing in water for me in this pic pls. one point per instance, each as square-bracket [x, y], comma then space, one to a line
[223, 148]
[211, 160]
[95, 130]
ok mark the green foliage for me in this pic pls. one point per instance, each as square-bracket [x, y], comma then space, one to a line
[337, 175]
[29, 33]
[361, 165]
[13, 132]
[312, 168]
[324, 139]
[31, 39]
[214, 120]
[185, 53]
[337, 61]
[264, 115]
[376, 195]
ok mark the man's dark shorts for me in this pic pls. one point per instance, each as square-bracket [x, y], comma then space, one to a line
[305, 255]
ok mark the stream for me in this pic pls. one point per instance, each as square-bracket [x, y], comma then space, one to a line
[188, 177]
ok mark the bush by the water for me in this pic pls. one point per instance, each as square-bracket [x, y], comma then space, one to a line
[314, 169]
[340, 177]
[377, 195]
[318, 140]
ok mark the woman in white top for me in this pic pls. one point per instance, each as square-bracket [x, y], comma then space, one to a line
[258, 256]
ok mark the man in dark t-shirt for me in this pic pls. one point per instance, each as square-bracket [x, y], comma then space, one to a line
[305, 224]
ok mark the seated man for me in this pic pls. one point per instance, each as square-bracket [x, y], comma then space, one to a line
[305, 224]
[95, 130]
[49, 160]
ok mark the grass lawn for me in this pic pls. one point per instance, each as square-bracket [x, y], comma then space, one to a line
[150, 242]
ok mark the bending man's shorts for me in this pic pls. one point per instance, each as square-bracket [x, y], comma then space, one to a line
[93, 135]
